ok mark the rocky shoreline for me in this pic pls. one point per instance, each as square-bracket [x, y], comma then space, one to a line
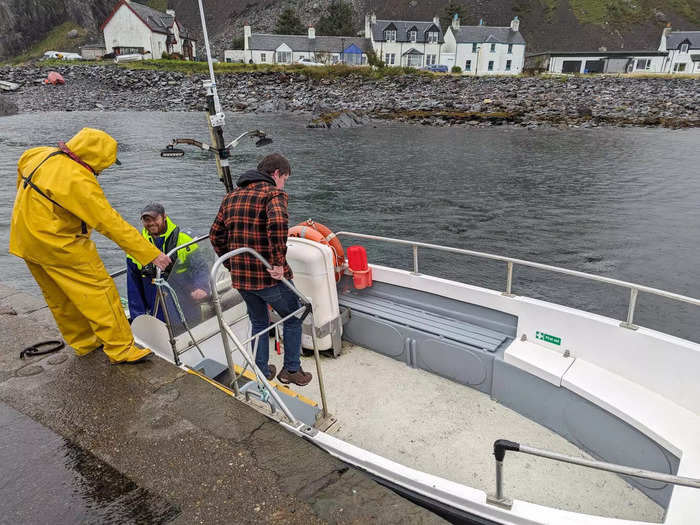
[429, 100]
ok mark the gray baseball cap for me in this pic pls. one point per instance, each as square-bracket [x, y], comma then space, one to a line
[153, 209]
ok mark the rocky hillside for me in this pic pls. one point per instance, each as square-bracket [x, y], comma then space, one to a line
[546, 24]
[25, 22]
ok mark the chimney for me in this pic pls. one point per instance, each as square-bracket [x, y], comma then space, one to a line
[373, 18]
[170, 12]
[246, 37]
[664, 36]
[367, 26]
[436, 20]
[515, 25]
[481, 21]
[312, 33]
[455, 21]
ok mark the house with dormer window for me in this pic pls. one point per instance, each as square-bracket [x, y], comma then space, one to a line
[683, 49]
[405, 43]
[485, 50]
[262, 48]
[134, 28]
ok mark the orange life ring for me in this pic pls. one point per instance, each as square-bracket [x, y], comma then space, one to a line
[317, 232]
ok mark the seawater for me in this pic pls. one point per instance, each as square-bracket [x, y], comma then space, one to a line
[617, 202]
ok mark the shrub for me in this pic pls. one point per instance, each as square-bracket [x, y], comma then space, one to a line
[456, 69]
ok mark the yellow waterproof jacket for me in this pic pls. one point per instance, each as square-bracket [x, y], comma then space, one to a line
[47, 234]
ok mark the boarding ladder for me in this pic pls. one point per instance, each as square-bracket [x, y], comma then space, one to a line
[258, 387]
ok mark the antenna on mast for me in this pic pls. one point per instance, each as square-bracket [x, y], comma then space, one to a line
[216, 119]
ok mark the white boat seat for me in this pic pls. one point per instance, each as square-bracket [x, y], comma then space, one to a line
[675, 428]
[425, 321]
[537, 360]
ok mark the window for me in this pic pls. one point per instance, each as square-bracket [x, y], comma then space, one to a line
[414, 61]
[412, 35]
[493, 48]
[128, 50]
[430, 60]
[390, 35]
[390, 59]
[474, 48]
[508, 63]
[468, 65]
[510, 49]
[643, 63]
[679, 68]
[263, 57]
[433, 37]
[490, 65]
[284, 57]
[684, 48]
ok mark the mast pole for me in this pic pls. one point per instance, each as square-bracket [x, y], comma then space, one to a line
[216, 117]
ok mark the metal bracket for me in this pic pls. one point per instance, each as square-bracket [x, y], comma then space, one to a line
[504, 503]
[218, 120]
[309, 431]
[630, 326]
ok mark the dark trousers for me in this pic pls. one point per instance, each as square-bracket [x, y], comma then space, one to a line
[284, 301]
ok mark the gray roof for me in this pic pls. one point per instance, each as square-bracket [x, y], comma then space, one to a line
[412, 51]
[403, 27]
[676, 38]
[158, 21]
[302, 43]
[493, 35]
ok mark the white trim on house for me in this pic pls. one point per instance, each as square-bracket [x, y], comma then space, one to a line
[485, 50]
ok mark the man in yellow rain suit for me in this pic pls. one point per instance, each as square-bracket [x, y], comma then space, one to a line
[58, 203]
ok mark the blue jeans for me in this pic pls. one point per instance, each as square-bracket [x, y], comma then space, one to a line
[284, 301]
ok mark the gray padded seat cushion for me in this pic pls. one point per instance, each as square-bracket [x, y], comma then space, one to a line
[425, 321]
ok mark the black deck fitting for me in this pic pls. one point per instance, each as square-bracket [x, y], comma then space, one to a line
[501, 445]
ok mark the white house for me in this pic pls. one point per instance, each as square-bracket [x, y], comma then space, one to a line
[136, 28]
[261, 48]
[405, 43]
[597, 62]
[683, 49]
[486, 50]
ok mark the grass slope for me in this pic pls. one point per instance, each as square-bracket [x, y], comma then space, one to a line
[56, 40]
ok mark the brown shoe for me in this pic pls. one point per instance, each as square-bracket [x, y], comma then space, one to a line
[299, 377]
[271, 374]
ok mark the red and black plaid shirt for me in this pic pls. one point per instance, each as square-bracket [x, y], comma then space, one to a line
[254, 216]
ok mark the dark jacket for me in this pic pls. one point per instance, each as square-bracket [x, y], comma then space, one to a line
[255, 216]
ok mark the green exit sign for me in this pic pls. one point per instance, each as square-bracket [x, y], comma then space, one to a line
[548, 338]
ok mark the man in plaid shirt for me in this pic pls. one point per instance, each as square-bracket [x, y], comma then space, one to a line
[255, 215]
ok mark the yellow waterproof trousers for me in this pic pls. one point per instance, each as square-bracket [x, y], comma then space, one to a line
[85, 304]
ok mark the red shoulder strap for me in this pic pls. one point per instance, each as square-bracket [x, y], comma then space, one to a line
[65, 149]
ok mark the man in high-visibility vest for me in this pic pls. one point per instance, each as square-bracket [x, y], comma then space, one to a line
[164, 234]
[58, 203]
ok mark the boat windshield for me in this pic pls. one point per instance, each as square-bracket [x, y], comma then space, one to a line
[189, 279]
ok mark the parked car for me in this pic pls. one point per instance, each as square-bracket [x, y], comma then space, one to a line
[61, 55]
[120, 59]
[308, 62]
[436, 68]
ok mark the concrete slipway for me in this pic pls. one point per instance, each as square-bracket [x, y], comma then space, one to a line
[196, 454]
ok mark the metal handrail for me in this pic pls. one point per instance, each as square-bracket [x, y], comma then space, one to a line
[226, 331]
[511, 262]
[500, 447]
[193, 241]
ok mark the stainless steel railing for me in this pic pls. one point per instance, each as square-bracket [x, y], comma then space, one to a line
[227, 333]
[511, 262]
[500, 447]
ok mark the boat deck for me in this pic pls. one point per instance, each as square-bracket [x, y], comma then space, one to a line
[444, 428]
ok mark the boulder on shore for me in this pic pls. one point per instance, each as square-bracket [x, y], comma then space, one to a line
[7, 108]
[338, 119]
